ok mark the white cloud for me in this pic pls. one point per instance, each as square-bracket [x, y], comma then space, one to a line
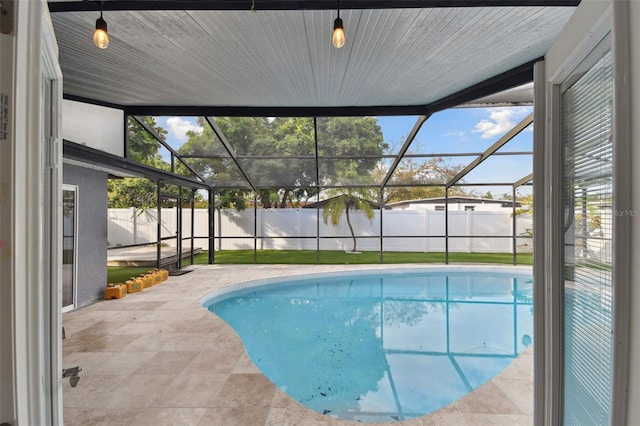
[178, 128]
[500, 121]
[455, 134]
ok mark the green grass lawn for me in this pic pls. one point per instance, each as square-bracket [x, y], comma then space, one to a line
[119, 274]
[341, 258]
[116, 274]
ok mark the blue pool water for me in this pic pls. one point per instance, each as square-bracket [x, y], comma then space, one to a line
[382, 346]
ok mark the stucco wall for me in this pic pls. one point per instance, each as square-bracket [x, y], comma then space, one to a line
[92, 230]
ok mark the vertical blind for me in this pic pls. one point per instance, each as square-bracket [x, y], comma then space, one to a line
[587, 186]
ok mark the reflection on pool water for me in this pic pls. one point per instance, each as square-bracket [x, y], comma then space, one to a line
[389, 346]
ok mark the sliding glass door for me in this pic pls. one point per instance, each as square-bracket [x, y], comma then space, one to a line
[587, 205]
[69, 246]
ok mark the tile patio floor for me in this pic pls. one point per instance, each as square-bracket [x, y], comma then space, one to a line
[159, 358]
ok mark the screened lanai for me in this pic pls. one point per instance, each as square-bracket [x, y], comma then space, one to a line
[266, 197]
[269, 63]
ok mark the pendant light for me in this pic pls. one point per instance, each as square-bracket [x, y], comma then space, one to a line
[100, 36]
[338, 38]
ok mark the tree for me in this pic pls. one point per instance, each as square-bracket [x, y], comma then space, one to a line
[413, 180]
[356, 145]
[526, 203]
[216, 165]
[350, 199]
[230, 198]
[143, 147]
[141, 193]
[278, 155]
[131, 192]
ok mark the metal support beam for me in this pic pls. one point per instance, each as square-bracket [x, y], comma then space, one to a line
[168, 147]
[227, 146]
[103, 160]
[493, 148]
[528, 178]
[377, 186]
[193, 219]
[351, 157]
[179, 227]
[446, 225]
[317, 150]
[123, 5]
[404, 148]
[212, 229]
[125, 136]
[159, 224]
[509, 184]
[513, 226]
[381, 205]
[255, 228]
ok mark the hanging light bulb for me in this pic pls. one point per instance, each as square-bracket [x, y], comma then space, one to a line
[100, 36]
[338, 38]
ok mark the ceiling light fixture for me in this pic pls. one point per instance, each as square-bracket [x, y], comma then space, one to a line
[338, 38]
[100, 36]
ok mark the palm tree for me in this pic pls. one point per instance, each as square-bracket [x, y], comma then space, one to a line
[351, 199]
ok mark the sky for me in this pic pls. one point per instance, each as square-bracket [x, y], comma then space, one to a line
[460, 130]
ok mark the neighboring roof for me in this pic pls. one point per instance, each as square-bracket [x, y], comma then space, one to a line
[401, 57]
[453, 200]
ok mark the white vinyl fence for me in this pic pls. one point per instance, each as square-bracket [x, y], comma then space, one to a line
[291, 229]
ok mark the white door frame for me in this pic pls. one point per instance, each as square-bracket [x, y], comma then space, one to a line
[52, 216]
[36, 186]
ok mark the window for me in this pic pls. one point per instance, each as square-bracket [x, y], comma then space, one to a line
[469, 208]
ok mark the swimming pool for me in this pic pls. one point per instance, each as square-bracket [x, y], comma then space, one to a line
[382, 345]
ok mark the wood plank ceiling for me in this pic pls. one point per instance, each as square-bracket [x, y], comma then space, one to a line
[399, 60]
